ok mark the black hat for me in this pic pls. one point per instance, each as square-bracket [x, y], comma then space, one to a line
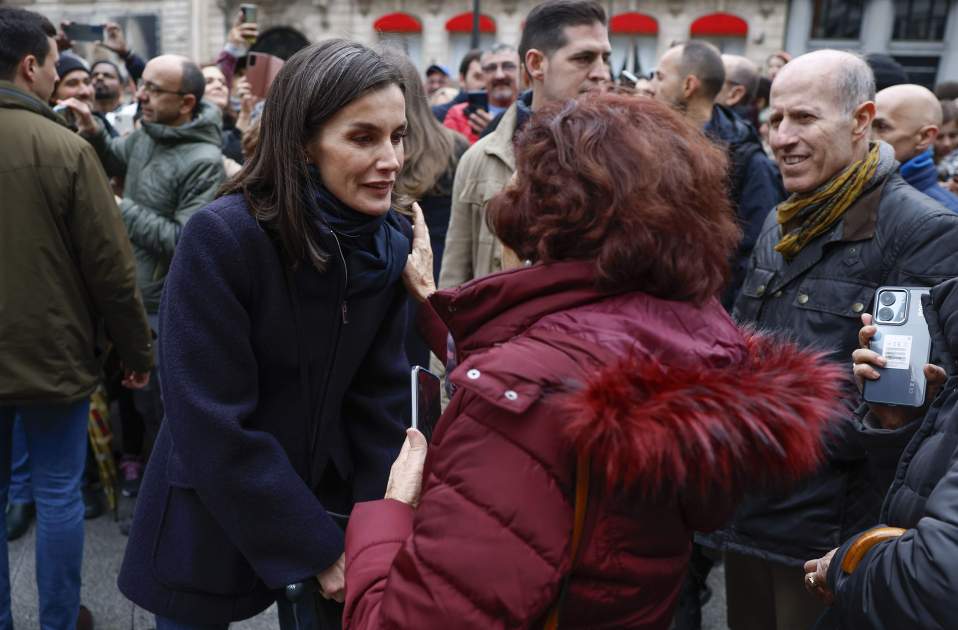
[888, 72]
[68, 63]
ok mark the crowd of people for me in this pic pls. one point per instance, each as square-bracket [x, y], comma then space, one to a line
[642, 293]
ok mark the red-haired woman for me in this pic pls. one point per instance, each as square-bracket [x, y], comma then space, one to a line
[606, 406]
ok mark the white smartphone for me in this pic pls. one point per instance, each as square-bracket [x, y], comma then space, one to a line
[426, 400]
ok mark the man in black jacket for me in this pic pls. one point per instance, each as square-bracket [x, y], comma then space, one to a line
[851, 224]
[689, 78]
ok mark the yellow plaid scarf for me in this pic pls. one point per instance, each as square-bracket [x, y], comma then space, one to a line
[818, 210]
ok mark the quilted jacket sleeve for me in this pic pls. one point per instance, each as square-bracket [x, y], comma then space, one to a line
[910, 581]
[481, 550]
[151, 230]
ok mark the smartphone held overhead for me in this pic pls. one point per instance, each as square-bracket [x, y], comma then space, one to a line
[904, 342]
[78, 32]
[261, 70]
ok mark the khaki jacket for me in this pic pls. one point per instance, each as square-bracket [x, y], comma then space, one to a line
[472, 251]
[66, 266]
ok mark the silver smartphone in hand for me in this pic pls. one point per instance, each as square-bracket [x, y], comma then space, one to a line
[426, 400]
[905, 343]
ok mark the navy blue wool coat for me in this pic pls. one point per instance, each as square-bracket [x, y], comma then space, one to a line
[234, 503]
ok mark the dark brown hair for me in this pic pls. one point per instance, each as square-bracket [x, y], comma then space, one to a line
[628, 183]
[313, 85]
[22, 33]
[545, 25]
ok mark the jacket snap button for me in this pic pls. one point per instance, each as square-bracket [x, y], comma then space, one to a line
[777, 294]
[473, 374]
[858, 307]
[760, 291]
[802, 298]
[511, 395]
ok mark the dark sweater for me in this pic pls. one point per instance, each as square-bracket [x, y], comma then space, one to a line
[231, 507]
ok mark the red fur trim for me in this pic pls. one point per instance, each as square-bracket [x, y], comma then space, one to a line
[709, 428]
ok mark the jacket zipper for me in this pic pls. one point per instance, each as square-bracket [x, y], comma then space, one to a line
[318, 420]
[343, 307]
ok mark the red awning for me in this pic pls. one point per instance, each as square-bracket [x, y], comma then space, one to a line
[633, 24]
[462, 23]
[719, 25]
[397, 23]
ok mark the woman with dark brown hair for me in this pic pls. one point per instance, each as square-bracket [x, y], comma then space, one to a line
[606, 406]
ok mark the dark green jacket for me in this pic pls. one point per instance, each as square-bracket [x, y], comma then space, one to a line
[171, 172]
[66, 266]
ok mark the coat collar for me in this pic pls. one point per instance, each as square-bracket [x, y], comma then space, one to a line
[500, 141]
[495, 308]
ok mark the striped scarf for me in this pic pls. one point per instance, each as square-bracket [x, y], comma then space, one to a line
[817, 211]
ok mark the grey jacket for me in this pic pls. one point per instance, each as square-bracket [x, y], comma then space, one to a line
[171, 172]
[892, 235]
[912, 581]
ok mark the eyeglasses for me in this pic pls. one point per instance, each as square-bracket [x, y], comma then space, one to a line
[153, 89]
[507, 66]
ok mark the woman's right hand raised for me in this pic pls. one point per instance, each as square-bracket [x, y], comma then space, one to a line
[865, 361]
[332, 581]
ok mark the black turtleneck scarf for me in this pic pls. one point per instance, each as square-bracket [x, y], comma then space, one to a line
[374, 247]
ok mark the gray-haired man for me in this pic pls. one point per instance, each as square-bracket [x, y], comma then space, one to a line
[850, 225]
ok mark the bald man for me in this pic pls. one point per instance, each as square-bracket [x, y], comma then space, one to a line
[173, 167]
[741, 83]
[908, 118]
[690, 77]
[812, 273]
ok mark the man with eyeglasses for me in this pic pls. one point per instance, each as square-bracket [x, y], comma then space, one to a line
[173, 166]
[500, 71]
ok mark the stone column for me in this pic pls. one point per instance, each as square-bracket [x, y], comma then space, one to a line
[798, 29]
[877, 25]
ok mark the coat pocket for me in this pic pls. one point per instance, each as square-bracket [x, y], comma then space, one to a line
[749, 301]
[192, 552]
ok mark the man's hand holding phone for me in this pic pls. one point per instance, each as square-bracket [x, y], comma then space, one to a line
[85, 122]
[243, 33]
[479, 120]
[867, 362]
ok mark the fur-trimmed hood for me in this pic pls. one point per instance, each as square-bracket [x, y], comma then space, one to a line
[704, 428]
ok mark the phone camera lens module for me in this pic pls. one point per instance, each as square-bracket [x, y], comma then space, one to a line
[887, 298]
[885, 314]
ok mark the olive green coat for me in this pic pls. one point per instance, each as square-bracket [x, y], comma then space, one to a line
[171, 172]
[66, 266]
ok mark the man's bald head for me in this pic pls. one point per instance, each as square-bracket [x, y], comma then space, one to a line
[908, 118]
[175, 87]
[741, 81]
[821, 114]
[841, 76]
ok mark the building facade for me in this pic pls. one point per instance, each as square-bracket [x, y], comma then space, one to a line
[922, 34]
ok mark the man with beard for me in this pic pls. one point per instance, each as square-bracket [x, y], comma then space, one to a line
[500, 70]
[107, 87]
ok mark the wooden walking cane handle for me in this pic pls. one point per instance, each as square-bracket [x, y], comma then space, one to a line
[864, 543]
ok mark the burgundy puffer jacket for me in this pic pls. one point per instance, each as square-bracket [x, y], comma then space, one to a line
[678, 410]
